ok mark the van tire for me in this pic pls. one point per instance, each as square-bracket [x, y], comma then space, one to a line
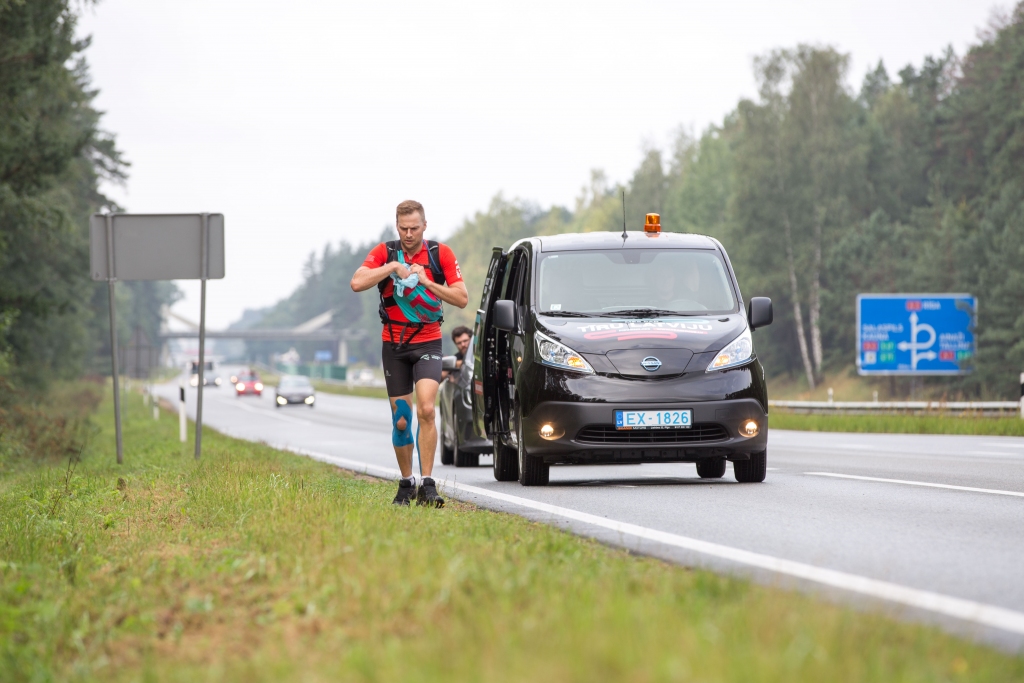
[711, 468]
[466, 459]
[506, 464]
[751, 471]
[533, 471]
[447, 455]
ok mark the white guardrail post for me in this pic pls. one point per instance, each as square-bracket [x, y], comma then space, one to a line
[182, 417]
[1022, 395]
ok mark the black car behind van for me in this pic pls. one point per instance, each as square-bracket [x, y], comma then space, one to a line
[600, 348]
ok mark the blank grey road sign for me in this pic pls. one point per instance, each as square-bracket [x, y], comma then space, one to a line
[156, 246]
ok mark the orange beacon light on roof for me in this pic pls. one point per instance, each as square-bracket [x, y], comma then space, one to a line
[653, 223]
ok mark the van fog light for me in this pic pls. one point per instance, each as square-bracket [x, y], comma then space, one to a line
[281, 400]
[550, 433]
[749, 429]
[310, 399]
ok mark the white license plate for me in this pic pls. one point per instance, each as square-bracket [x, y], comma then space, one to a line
[653, 419]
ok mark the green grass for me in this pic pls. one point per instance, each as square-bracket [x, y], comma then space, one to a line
[899, 424]
[257, 565]
[345, 390]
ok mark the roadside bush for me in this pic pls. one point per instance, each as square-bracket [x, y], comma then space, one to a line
[52, 428]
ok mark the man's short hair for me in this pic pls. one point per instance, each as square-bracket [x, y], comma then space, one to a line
[461, 330]
[409, 206]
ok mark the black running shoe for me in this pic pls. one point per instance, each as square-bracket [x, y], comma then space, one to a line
[427, 495]
[406, 492]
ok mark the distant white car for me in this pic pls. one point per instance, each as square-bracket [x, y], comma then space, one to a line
[209, 378]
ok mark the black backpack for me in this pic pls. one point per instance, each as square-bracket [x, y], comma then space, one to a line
[434, 263]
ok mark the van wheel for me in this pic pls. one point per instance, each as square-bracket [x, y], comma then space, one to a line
[532, 470]
[447, 454]
[464, 459]
[751, 471]
[506, 462]
[711, 468]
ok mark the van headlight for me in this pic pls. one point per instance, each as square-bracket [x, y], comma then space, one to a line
[557, 355]
[737, 352]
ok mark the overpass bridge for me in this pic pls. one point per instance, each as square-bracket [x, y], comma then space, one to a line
[315, 329]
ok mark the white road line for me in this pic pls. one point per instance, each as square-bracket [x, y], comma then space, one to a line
[973, 489]
[1004, 445]
[968, 610]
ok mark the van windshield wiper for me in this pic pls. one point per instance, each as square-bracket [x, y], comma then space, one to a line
[565, 314]
[639, 313]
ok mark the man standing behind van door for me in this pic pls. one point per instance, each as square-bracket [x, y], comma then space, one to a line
[411, 348]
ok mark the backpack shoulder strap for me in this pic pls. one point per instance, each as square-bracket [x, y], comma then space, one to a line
[434, 258]
[392, 247]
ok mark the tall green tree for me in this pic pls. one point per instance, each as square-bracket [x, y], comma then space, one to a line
[53, 157]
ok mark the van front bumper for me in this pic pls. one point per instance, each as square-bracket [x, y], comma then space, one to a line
[584, 433]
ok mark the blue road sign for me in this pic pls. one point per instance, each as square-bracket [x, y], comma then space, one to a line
[916, 334]
[321, 356]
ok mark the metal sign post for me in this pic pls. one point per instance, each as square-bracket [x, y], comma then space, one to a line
[204, 273]
[157, 247]
[111, 279]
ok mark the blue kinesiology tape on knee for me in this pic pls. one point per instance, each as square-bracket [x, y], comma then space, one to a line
[401, 437]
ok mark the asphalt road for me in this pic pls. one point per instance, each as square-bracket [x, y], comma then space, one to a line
[926, 527]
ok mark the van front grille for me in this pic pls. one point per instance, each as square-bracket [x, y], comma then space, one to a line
[608, 434]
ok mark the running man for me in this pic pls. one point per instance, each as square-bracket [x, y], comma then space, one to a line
[413, 277]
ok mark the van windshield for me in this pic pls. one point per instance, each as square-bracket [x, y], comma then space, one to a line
[683, 281]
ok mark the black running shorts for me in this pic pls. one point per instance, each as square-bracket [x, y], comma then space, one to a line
[406, 365]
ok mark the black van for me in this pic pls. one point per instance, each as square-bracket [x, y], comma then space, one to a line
[597, 348]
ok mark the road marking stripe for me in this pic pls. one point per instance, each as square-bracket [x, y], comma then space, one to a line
[967, 610]
[973, 489]
[1004, 445]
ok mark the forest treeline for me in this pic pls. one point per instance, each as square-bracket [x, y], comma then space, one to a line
[912, 183]
[53, 156]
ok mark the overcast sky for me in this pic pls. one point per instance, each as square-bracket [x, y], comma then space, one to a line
[306, 122]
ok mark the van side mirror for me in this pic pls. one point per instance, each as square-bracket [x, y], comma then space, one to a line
[448, 363]
[505, 315]
[759, 312]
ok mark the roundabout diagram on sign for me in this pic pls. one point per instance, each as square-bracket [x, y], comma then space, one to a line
[915, 334]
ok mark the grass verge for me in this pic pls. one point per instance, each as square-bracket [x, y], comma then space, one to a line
[899, 424]
[345, 390]
[258, 565]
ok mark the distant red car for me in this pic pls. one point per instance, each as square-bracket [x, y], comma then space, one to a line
[248, 384]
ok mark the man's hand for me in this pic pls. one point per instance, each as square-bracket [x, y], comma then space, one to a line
[365, 277]
[418, 270]
[456, 294]
[403, 272]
